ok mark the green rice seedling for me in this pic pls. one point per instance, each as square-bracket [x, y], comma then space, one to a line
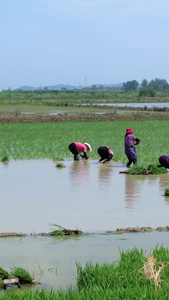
[153, 169]
[166, 193]
[5, 158]
[60, 165]
[130, 277]
[51, 140]
[22, 274]
[137, 170]
[133, 276]
[3, 274]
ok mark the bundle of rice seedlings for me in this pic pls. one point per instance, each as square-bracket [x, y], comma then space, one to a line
[141, 170]
[64, 232]
[60, 165]
[153, 169]
[22, 274]
[3, 274]
[137, 170]
[5, 158]
[150, 270]
[167, 192]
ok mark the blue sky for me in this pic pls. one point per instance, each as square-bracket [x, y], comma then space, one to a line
[49, 42]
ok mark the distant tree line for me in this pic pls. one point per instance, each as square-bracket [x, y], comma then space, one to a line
[155, 84]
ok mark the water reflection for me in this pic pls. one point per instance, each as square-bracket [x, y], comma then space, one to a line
[84, 195]
[79, 172]
[105, 175]
[135, 185]
[150, 105]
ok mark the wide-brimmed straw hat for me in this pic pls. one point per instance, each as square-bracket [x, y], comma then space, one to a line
[129, 130]
[89, 147]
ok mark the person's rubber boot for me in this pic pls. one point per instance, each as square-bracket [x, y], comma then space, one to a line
[128, 164]
[76, 157]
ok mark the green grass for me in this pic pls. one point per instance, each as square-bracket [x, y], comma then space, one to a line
[51, 140]
[123, 279]
[37, 97]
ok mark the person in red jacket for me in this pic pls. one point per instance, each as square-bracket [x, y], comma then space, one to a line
[77, 148]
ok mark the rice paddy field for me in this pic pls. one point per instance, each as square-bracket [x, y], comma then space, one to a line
[133, 276]
[51, 140]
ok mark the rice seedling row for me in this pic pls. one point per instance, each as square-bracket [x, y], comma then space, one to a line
[51, 140]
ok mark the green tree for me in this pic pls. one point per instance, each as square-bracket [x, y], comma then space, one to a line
[130, 85]
[144, 84]
[158, 84]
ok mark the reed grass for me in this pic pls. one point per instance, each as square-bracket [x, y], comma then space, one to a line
[51, 140]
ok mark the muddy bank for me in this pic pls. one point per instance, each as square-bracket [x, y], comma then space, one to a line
[82, 117]
[70, 232]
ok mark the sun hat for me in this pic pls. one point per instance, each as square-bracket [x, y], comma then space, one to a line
[129, 130]
[89, 147]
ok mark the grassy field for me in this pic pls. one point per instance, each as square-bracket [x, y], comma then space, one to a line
[71, 96]
[51, 140]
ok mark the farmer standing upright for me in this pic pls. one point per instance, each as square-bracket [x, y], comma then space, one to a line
[130, 141]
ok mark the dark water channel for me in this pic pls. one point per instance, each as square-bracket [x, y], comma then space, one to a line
[84, 195]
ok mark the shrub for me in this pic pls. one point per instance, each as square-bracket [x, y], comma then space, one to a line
[146, 93]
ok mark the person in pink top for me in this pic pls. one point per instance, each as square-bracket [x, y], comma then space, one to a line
[105, 153]
[77, 148]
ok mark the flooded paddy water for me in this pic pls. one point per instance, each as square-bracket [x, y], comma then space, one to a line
[84, 195]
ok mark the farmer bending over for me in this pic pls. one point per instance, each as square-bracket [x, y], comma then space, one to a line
[164, 160]
[105, 153]
[76, 148]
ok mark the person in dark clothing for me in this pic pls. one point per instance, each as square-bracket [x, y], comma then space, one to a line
[164, 160]
[105, 153]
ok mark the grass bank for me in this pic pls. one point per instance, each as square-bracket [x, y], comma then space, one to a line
[51, 140]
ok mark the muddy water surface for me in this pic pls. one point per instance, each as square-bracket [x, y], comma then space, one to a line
[84, 195]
